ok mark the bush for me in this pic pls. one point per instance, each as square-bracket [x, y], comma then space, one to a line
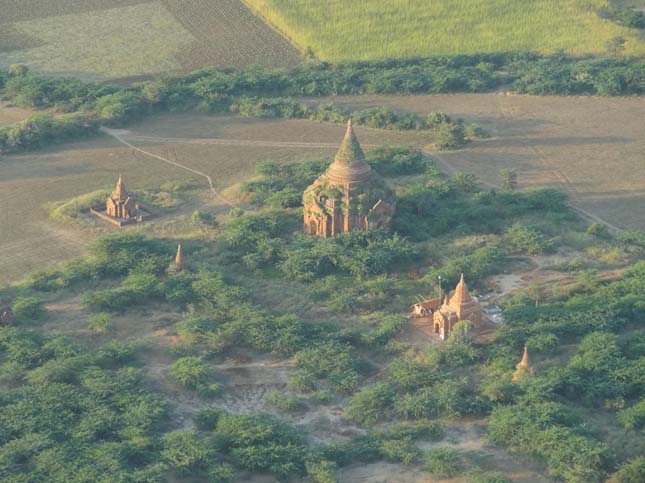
[190, 372]
[632, 471]
[521, 238]
[206, 419]
[281, 401]
[371, 405]
[332, 362]
[41, 130]
[262, 443]
[399, 161]
[449, 136]
[547, 430]
[186, 452]
[100, 323]
[400, 450]
[322, 471]
[27, 308]
[626, 16]
[442, 463]
[634, 416]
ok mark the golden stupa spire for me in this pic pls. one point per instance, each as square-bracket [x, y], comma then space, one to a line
[523, 368]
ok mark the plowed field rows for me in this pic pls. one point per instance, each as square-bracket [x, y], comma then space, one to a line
[228, 33]
[99, 39]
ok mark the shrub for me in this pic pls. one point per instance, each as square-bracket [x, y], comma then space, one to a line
[190, 372]
[542, 343]
[399, 161]
[634, 416]
[28, 308]
[206, 419]
[442, 463]
[322, 471]
[185, 452]
[332, 362]
[633, 471]
[598, 230]
[449, 136]
[400, 450]
[371, 405]
[521, 238]
[626, 16]
[281, 401]
[100, 323]
[547, 430]
[262, 443]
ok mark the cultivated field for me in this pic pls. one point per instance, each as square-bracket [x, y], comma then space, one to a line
[373, 29]
[593, 148]
[136, 37]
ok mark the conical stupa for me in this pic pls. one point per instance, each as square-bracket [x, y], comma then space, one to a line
[523, 369]
[349, 195]
[179, 257]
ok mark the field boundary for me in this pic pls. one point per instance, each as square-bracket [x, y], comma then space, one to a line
[273, 27]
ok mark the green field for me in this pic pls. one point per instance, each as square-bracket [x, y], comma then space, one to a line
[339, 30]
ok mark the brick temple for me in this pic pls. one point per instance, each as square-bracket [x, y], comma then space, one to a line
[349, 195]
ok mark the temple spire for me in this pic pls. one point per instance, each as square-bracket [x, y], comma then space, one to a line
[350, 150]
[462, 294]
[119, 192]
[523, 369]
[179, 258]
[525, 362]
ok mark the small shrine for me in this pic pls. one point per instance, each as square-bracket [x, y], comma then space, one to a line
[461, 306]
[438, 317]
[121, 207]
[120, 204]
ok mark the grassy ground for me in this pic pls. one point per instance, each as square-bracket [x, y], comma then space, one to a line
[374, 29]
[136, 37]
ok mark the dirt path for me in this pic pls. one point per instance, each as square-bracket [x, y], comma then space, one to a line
[237, 142]
[116, 134]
